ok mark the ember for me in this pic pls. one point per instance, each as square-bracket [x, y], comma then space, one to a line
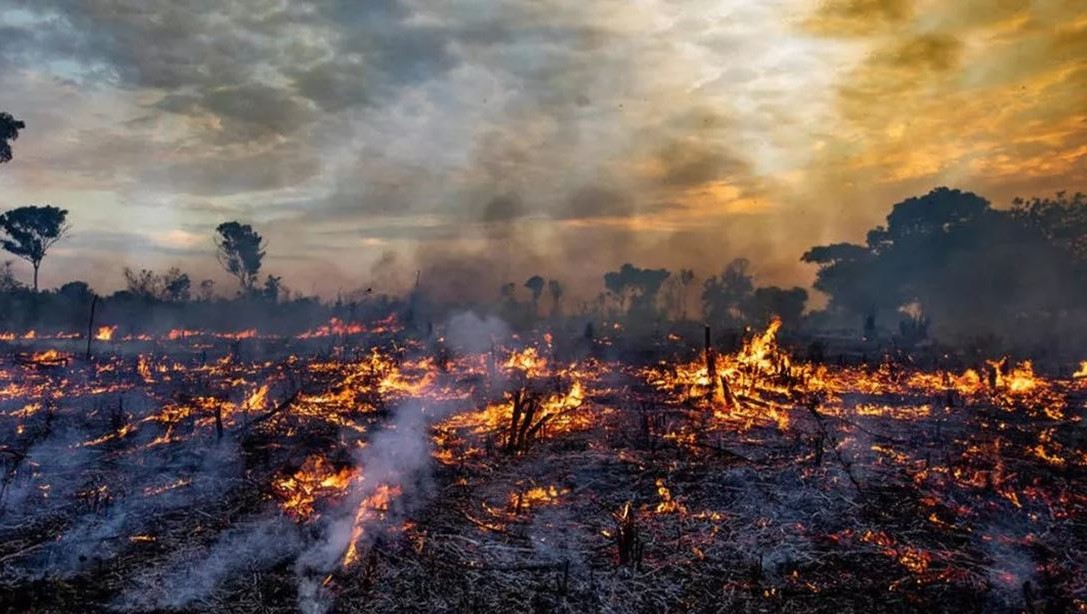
[751, 472]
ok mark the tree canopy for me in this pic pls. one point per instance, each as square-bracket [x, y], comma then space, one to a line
[240, 252]
[731, 299]
[636, 288]
[28, 232]
[966, 265]
[9, 131]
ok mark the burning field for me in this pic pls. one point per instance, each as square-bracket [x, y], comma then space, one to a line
[356, 468]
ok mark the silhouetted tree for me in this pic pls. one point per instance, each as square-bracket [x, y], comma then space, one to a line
[636, 288]
[1062, 219]
[508, 292]
[773, 301]
[240, 252]
[273, 288]
[29, 232]
[726, 297]
[207, 290]
[555, 289]
[969, 267]
[142, 284]
[8, 281]
[173, 285]
[76, 291]
[176, 286]
[535, 285]
[686, 278]
[9, 131]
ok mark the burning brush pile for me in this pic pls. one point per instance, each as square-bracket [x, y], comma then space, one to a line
[364, 470]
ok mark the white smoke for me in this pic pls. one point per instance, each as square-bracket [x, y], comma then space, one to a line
[397, 457]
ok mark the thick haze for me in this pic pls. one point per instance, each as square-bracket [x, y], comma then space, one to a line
[488, 140]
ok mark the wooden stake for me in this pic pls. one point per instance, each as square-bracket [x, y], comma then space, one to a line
[90, 325]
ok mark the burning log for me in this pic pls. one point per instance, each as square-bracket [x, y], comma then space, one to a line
[525, 420]
[286, 404]
[729, 398]
[45, 359]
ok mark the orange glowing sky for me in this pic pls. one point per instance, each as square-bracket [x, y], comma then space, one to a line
[488, 140]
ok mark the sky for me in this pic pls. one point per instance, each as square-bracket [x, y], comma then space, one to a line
[483, 141]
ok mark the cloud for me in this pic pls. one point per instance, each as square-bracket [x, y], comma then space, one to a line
[542, 134]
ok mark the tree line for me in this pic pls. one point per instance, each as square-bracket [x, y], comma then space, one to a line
[946, 262]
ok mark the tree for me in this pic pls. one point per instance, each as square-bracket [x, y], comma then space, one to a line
[76, 291]
[240, 252]
[143, 284]
[535, 284]
[273, 288]
[773, 301]
[686, 278]
[8, 282]
[176, 286]
[726, 297]
[207, 290]
[1062, 219]
[973, 269]
[29, 232]
[9, 131]
[173, 285]
[507, 292]
[555, 289]
[635, 287]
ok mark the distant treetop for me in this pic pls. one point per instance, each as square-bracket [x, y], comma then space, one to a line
[9, 131]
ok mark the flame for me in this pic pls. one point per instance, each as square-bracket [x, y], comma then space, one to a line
[258, 399]
[667, 503]
[143, 367]
[105, 333]
[527, 360]
[536, 496]
[49, 356]
[152, 491]
[1082, 372]
[1021, 379]
[316, 479]
[373, 507]
[971, 444]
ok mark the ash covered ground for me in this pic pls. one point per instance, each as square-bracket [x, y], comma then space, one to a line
[356, 470]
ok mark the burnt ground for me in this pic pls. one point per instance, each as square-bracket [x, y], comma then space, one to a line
[645, 490]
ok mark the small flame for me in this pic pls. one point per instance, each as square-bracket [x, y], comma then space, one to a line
[373, 506]
[316, 479]
[1082, 373]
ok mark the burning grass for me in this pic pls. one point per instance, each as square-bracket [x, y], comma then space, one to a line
[407, 477]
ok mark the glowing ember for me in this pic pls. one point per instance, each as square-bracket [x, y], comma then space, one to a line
[372, 508]
[316, 479]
